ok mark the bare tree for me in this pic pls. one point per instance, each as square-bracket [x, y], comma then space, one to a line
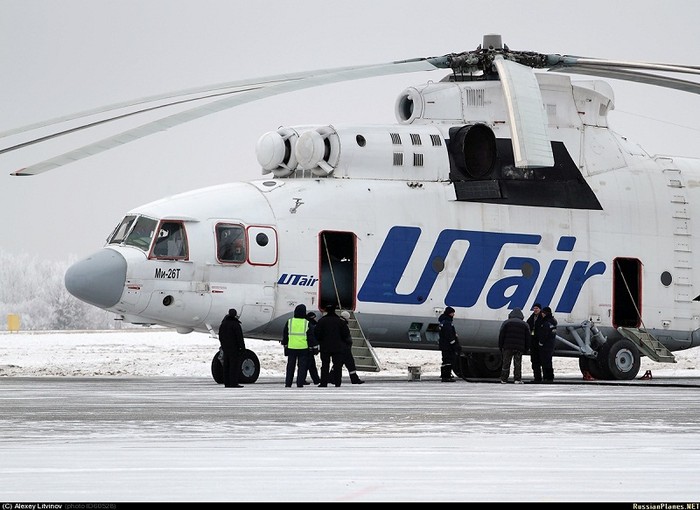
[33, 289]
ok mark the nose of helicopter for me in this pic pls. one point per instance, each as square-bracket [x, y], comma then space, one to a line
[99, 279]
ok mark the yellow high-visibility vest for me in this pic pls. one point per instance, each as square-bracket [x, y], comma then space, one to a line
[297, 333]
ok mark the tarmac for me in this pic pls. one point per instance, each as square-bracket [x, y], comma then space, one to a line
[115, 439]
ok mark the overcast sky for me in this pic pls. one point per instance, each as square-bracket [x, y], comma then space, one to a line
[61, 57]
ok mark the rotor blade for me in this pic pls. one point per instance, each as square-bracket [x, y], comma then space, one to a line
[300, 82]
[528, 120]
[264, 81]
[240, 85]
[117, 117]
[127, 104]
[635, 76]
[568, 61]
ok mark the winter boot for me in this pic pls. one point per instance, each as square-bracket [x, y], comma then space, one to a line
[355, 379]
[446, 373]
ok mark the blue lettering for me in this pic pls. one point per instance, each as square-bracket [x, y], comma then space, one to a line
[390, 264]
[554, 273]
[579, 275]
[297, 279]
[473, 273]
[551, 281]
[498, 297]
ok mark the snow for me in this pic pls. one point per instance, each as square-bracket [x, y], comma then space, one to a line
[163, 352]
[126, 416]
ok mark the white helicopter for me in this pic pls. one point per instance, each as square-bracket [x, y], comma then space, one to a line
[498, 187]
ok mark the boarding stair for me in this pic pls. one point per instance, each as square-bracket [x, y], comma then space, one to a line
[648, 344]
[365, 357]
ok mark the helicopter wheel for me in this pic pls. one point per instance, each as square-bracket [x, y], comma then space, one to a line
[250, 367]
[485, 364]
[593, 367]
[249, 370]
[461, 366]
[217, 368]
[620, 359]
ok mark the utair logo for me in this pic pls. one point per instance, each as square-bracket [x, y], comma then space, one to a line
[473, 273]
[301, 280]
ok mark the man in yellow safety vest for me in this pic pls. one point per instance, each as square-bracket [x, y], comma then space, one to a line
[296, 346]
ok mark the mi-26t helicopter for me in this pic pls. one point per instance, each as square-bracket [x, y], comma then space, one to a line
[498, 187]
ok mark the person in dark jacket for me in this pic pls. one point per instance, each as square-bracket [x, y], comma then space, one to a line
[449, 344]
[232, 345]
[348, 358]
[330, 333]
[295, 338]
[513, 340]
[313, 349]
[532, 322]
[546, 335]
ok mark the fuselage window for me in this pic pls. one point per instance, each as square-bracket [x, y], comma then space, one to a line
[142, 233]
[171, 242]
[230, 243]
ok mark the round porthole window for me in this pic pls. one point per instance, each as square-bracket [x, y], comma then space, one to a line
[262, 239]
[666, 278]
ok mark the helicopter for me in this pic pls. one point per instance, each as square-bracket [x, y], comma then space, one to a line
[500, 185]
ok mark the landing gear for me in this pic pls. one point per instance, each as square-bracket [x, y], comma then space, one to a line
[592, 366]
[485, 365]
[617, 360]
[621, 358]
[461, 366]
[250, 368]
[217, 368]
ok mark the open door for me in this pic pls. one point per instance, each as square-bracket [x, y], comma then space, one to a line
[337, 256]
[627, 293]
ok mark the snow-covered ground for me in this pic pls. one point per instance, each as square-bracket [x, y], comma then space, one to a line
[154, 438]
[158, 352]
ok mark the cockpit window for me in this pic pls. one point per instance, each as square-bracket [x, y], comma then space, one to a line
[119, 233]
[142, 233]
[171, 242]
[230, 243]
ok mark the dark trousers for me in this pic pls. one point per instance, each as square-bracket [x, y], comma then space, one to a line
[535, 360]
[313, 370]
[232, 368]
[516, 357]
[349, 362]
[449, 358]
[327, 375]
[546, 362]
[296, 358]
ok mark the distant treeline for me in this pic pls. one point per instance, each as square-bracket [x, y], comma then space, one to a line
[34, 290]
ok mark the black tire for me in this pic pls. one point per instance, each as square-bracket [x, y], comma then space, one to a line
[620, 358]
[217, 368]
[593, 367]
[461, 366]
[249, 370]
[250, 367]
[486, 365]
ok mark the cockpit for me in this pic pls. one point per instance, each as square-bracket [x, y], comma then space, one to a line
[167, 239]
[161, 240]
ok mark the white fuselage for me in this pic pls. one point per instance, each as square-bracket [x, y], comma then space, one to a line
[416, 248]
